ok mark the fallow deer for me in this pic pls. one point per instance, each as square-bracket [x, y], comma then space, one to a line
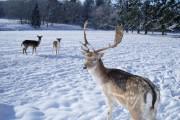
[137, 94]
[31, 43]
[56, 45]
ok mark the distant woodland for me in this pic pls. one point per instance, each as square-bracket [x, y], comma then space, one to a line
[135, 15]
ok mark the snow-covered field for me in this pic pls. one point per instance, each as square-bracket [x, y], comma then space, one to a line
[14, 25]
[50, 87]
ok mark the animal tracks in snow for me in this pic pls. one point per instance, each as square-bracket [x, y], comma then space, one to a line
[50, 87]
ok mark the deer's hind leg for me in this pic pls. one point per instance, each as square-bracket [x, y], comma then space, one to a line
[24, 50]
[136, 110]
[53, 49]
[136, 115]
[32, 50]
[142, 112]
[149, 113]
[35, 50]
[56, 51]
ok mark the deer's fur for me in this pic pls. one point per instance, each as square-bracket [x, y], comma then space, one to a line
[56, 45]
[137, 94]
[31, 43]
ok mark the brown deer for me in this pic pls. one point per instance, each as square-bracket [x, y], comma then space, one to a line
[56, 45]
[137, 94]
[31, 43]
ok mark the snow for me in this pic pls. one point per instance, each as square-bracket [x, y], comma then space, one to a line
[14, 25]
[50, 87]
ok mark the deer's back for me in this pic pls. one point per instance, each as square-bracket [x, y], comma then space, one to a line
[30, 43]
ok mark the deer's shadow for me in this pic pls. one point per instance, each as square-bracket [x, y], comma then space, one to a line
[7, 112]
[60, 56]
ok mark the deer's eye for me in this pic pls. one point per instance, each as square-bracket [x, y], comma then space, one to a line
[89, 54]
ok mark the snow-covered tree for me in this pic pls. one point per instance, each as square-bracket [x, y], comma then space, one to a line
[147, 15]
[36, 18]
[2, 14]
[88, 7]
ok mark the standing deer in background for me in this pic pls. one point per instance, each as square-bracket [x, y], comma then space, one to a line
[138, 94]
[31, 43]
[56, 45]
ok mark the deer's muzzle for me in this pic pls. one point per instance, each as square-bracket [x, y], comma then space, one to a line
[85, 67]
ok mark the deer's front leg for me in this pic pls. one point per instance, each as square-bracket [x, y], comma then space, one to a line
[58, 50]
[25, 50]
[110, 108]
[33, 51]
[109, 112]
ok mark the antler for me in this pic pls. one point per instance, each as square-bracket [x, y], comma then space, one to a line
[85, 44]
[85, 38]
[117, 40]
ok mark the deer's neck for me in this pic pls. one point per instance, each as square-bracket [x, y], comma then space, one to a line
[39, 41]
[99, 72]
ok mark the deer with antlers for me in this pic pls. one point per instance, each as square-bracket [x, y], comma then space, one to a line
[137, 94]
[56, 45]
[31, 43]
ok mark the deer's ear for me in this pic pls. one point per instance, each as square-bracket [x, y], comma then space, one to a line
[100, 55]
[83, 53]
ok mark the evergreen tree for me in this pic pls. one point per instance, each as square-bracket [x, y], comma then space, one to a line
[87, 9]
[2, 14]
[145, 9]
[147, 15]
[167, 14]
[103, 17]
[123, 16]
[72, 12]
[133, 15]
[52, 9]
[100, 2]
[75, 9]
[35, 18]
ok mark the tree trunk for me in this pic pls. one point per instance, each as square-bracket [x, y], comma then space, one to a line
[47, 25]
[163, 28]
[127, 31]
[146, 31]
[21, 20]
[138, 31]
[163, 33]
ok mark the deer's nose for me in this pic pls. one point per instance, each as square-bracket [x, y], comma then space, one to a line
[85, 67]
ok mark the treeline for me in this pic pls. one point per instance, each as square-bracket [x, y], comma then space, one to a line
[139, 15]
